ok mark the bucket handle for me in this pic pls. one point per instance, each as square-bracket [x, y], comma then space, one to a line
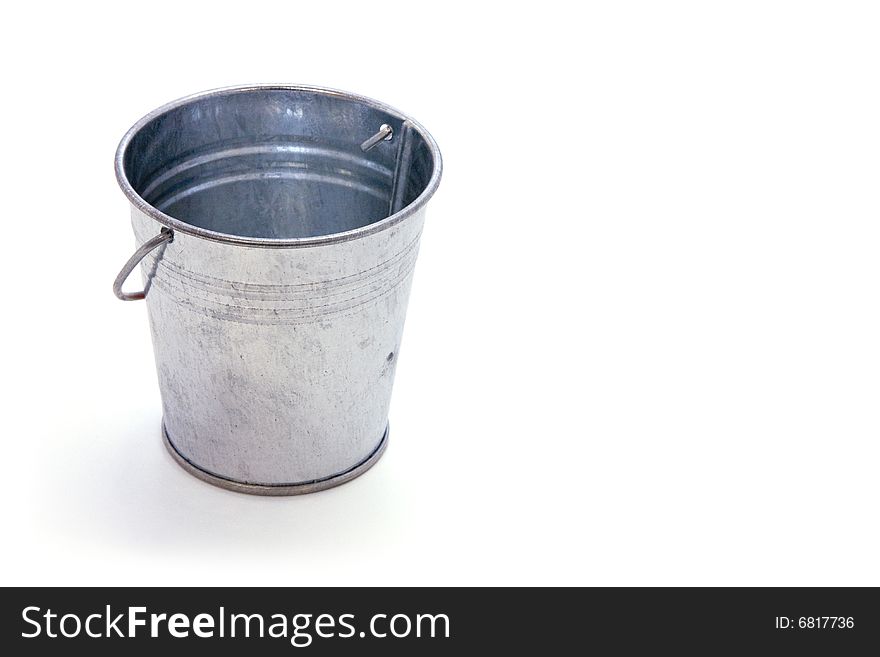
[165, 236]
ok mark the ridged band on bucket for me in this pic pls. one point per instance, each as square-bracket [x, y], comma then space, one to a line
[277, 229]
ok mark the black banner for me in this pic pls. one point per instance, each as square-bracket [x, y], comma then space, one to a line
[418, 621]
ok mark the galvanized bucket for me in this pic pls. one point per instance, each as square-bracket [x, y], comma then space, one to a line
[277, 230]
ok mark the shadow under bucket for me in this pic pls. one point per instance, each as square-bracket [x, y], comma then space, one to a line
[278, 228]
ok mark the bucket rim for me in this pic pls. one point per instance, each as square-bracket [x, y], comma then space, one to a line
[266, 242]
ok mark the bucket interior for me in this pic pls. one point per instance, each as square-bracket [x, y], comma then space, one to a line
[277, 163]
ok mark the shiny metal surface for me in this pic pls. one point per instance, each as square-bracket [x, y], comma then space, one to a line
[277, 310]
[277, 490]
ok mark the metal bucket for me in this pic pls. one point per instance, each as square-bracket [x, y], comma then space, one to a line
[278, 228]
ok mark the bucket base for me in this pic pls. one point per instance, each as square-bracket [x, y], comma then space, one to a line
[276, 489]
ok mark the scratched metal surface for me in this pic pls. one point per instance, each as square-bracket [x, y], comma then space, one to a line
[278, 308]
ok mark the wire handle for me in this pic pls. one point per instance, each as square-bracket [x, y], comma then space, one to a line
[385, 133]
[165, 236]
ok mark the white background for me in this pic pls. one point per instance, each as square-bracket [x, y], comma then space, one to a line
[643, 345]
